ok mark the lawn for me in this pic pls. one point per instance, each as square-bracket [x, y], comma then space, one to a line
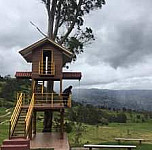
[97, 134]
[102, 134]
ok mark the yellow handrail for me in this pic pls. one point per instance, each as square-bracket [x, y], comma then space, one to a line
[69, 100]
[16, 113]
[29, 115]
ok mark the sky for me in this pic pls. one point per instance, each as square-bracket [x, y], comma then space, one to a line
[119, 58]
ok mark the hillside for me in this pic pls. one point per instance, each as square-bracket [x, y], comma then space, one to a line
[9, 87]
[130, 99]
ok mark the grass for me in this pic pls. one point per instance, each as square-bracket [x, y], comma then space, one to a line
[3, 132]
[98, 134]
[139, 147]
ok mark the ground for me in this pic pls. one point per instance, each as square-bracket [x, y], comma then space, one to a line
[96, 134]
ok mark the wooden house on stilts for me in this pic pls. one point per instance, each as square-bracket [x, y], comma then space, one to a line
[48, 59]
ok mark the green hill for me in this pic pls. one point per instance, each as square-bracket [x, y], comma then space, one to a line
[9, 88]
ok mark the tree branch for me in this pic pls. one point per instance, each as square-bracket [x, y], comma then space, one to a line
[72, 24]
[38, 29]
[48, 11]
[58, 17]
[52, 14]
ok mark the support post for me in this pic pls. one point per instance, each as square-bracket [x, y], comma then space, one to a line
[60, 86]
[61, 102]
[34, 122]
[62, 123]
[48, 114]
[33, 85]
[30, 130]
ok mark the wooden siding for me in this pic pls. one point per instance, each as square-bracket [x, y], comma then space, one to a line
[57, 58]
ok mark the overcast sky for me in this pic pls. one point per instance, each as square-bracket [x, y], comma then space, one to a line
[119, 58]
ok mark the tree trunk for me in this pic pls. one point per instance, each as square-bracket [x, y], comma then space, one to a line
[48, 114]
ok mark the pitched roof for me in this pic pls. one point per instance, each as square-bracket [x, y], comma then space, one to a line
[27, 52]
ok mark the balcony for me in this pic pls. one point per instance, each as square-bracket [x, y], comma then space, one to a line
[44, 101]
[52, 99]
[47, 68]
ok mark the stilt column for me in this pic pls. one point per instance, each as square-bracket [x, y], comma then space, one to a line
[34, 122]
[62, 123]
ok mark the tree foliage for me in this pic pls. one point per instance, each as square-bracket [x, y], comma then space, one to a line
[11, 86]
[66, 22]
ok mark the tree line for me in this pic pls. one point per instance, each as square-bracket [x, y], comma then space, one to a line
[9, 88]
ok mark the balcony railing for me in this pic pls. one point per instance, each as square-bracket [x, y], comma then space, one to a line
[53, 99]
[47, 68]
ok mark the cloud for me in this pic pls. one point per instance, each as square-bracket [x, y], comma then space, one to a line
[123, 36]
[120, 57]
[17, 32]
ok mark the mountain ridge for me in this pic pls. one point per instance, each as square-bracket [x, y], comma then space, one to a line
[130, 99]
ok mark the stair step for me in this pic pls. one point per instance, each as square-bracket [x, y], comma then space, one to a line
[19, 132]
[14, 147]
[19, 126]
[17, 141]
[19, 129]
[22, 116]
[17, 137]
[21, 121]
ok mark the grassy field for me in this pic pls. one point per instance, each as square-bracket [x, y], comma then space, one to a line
[4, 117]
[106, 134]
[95, 134]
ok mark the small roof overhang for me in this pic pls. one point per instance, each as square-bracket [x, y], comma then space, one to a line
[27, 52]
[65, 75]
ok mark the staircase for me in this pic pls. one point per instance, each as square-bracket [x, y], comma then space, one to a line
[20, 123]
[19, 131]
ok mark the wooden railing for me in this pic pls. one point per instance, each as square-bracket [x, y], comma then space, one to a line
[15, 114]
[29, 115]
[69, 100]
[47, 69]
[53, 99]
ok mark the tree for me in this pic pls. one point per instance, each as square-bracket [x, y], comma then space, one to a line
[68, 16]
[121, 118]
[65, 26]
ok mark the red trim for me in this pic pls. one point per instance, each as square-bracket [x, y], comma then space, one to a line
[65, 75]
[27, 75]
[72, 75]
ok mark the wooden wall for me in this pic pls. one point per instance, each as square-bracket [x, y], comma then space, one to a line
[57, 58]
